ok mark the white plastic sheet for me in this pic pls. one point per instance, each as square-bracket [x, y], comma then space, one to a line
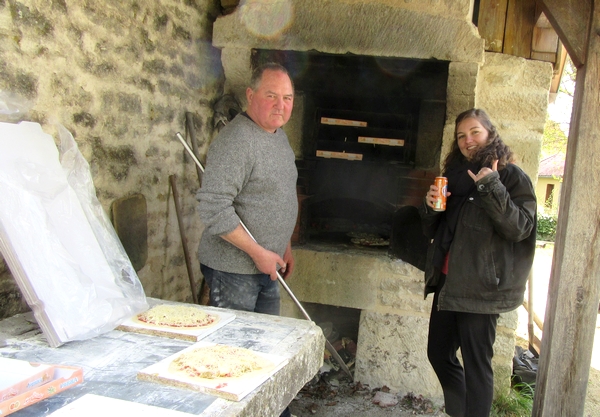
[57, 240]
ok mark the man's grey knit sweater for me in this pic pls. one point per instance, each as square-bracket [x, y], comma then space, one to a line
[249, 173]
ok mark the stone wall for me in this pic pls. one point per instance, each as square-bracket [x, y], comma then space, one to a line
[120, 75]
[514, 91]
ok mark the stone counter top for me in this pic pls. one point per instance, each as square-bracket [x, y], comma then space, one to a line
[111, 361]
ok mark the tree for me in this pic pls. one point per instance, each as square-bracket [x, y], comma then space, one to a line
[554, 140]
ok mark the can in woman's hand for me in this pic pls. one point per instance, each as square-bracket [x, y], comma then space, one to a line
[442, 185]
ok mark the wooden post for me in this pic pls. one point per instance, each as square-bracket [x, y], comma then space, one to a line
[572, 307]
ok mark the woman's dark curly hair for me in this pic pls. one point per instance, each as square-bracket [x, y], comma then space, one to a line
[494, 149]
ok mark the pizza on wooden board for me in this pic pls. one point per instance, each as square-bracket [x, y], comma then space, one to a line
[219, 361]
[177, 316]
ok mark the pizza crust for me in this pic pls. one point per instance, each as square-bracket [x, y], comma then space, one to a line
[219, 362]
[176, 316]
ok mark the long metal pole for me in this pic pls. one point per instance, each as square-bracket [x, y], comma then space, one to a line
[331, 349]
[186, 252]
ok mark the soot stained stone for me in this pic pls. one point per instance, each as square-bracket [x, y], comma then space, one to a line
[181, 33]
[118, 160]
[176, 70]
[160, 22]
[164, 87]
[160, 114]
[129, 103]
[148, 44]
[104, 68]
[84, 119]
[23, 14]
[18, 81]
[152, 151]
[60, 5]
[143, 83]
[156, 66]
[25, 84]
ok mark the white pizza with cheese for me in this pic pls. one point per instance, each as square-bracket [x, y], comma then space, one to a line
[177, 316]
[219, 361]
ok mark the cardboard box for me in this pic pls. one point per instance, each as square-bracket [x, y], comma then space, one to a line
[17, 376]
[65, 377]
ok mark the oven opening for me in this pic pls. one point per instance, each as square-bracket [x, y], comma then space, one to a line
[371, 131]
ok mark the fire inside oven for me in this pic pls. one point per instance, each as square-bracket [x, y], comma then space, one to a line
[372, 130]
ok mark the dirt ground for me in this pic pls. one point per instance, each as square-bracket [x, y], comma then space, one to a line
[333, 395]
[319, 398]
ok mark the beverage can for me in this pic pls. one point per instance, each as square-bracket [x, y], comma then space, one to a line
[442, 185]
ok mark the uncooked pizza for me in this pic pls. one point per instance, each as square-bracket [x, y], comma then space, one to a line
[219, 361]
[177, 316]
[368, 239]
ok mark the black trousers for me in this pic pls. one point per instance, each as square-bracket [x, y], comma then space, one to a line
[468, 391]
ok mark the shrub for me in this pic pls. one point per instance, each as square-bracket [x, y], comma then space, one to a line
[546, 227]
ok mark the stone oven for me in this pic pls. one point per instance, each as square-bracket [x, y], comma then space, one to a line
[378, 84]
[361, 158]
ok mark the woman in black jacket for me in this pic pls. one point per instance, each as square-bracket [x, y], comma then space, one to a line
[480, 255]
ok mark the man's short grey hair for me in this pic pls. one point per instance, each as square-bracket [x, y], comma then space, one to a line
[269, 66]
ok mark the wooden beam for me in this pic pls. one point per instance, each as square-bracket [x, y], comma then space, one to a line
[520, 20]
[559, 68]
[570, 19]
[572, 307]
[490, 22]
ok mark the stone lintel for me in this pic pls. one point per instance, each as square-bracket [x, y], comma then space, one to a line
[335, 27]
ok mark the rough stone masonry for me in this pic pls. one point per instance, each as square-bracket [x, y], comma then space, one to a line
[120, 75]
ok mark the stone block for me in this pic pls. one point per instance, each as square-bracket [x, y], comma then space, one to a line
[344, 279]
[462, 78]
[237, 67]
[392, 352]
[364, 28]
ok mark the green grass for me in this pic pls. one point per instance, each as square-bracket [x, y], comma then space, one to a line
[518, 403]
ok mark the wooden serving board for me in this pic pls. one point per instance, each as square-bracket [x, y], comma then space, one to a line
[189, 334]
[233, 389]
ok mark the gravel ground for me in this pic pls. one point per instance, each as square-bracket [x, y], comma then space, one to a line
[335, 396]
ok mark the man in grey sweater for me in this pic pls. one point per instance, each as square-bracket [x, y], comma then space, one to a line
[251, 177]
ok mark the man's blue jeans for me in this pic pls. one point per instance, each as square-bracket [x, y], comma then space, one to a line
[246, 292]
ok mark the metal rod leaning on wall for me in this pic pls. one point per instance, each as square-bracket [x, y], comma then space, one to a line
[186, 253]
[330, 348]
[189, 125]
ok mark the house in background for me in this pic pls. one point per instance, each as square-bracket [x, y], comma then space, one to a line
[550, 176]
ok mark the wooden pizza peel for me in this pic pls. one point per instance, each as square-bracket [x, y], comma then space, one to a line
[328, 344]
